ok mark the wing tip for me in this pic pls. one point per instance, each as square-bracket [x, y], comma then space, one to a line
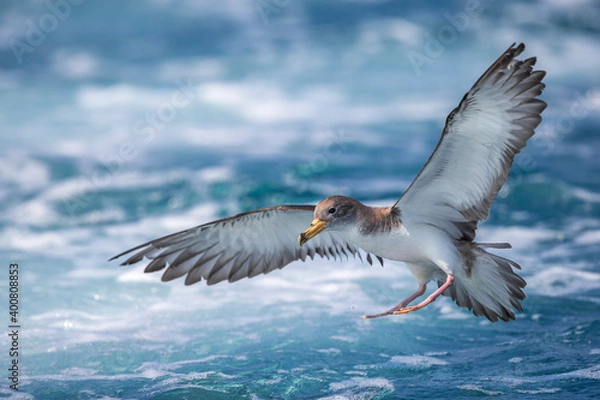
[121, 255]
[128, 261]
[505, 60]
[519, 49]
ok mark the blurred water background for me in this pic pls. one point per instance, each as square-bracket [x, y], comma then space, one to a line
[125, 121]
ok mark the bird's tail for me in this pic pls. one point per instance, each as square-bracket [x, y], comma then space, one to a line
[487, 284]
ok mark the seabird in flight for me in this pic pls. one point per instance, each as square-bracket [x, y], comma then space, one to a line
[431, 227]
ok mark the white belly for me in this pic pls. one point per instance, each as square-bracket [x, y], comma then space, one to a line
[398, 245]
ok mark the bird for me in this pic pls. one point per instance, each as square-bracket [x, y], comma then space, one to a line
[431, 227]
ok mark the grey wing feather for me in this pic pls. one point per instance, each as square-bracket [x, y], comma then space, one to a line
[242, 246]
[494, 120]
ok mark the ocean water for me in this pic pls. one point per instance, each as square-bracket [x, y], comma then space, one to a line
[125, 121]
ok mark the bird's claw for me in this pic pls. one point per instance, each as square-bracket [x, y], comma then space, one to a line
[393, 311]
[383, 314]
[405, 310]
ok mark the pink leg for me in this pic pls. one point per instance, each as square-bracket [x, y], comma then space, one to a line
[430, 299]
[402, 304]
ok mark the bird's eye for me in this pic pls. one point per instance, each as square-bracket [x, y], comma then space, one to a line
[332, 210]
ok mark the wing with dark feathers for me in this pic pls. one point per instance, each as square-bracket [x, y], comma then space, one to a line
[242, 246]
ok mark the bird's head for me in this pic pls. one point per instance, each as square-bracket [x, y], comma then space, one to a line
[333, 213]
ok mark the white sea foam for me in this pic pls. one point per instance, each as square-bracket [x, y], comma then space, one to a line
[40, 211]
[538, 391]
[588, 238]
[296, 291]
[323, 103]
[242, 138]
[20, 169]
[562, 281]
[331, 350]
[34, 212]
[521, 238]
[374, 34]
[449, 310]
[476, 388]
[119, 96]
[27, 240]
[347, 339]
[159, 377]
[583, 194]
[592, 372]
[419, 362]
[75, 65]
[360, 387]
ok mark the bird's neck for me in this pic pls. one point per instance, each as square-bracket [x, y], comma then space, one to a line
[386, 219]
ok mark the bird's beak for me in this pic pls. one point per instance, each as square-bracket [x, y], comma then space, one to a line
[315, 228]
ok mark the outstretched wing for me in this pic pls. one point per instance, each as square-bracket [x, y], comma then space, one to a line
[472, 160]
[245, 245]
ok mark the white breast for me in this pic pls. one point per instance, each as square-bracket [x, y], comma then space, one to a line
[397, 245]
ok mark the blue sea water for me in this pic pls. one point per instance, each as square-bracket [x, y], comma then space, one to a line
[125, 121]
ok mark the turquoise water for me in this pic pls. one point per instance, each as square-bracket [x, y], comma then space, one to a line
[123, 123]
